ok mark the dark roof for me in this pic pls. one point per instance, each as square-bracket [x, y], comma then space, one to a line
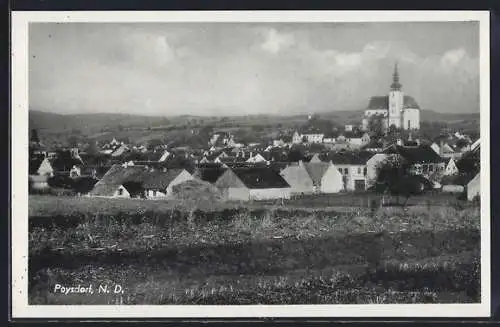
[374, 144]
[210, 175]
[160, 180]
[316, 170]
[419, 154]
[118, 175]
[352, 135]
[382, 102]
[350, 158]
[260, 177]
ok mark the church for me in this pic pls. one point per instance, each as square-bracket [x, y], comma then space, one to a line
[396, 108]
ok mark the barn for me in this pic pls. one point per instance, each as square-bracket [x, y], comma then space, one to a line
[297, 176]
[325, 177]
[120, 182]
[253, 183]
[158, 184]
[474, 187]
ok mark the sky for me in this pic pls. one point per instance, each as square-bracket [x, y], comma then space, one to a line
[249, 68]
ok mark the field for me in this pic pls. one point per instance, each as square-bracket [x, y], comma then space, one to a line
[301, 252]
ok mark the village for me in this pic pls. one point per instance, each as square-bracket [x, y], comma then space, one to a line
[301, 162]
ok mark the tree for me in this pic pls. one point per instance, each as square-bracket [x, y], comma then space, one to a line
[34, 136]
[376, 125]
[393, 178]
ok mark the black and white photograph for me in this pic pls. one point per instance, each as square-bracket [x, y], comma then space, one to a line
[250, 164]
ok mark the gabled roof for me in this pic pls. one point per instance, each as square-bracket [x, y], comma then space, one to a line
[160, 180]
[34, 164]
[260, 178]
[118, 175]
[210, 175]
[350, 158]
[419, 154]
[382, 102]
[317, 170]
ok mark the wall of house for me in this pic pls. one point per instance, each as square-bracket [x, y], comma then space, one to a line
[236, 193]
[451, 168]
[45, 168]
[332, 181]
[181, 178]
[270, 193]
[125, 193]
[39, 182]
[452, 188]
[474, 187]
[352, 175]
[298, 178]
[153, 194]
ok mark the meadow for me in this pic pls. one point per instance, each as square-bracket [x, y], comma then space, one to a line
[162, 252]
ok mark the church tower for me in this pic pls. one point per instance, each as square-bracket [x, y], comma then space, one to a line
[395, 100]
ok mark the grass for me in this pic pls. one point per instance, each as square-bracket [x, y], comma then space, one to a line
[248, 254]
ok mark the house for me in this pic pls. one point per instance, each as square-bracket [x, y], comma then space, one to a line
[296, 138]
[373, 146]
[450, 168]
[256, 183]
[314, 137]
[297, 176]
[120, 182]
[159, 183]
[474, 187]
[41, 166]
[325, 176]
[258, 158]
[422, 159]
[120, 150]
[329, 138]
[210, 173]
[353, 167]
[164, 156]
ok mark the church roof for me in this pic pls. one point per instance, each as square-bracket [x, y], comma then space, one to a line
[382, 102]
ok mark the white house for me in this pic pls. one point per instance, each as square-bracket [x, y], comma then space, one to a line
[40, 166]
[474, 187]
[256, 159]
[325, 176]
[158, 184]
[297, 176]
[256, 183]
[450, 168]
[314, 137]
[353, 167]
[296, 138]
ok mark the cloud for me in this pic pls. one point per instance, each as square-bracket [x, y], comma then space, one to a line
[275, 41]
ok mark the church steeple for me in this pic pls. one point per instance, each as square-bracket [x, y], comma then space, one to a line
[395, 86]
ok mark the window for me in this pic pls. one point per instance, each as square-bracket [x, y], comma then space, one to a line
[346, 171]
[408, 124]
[424, 168]
[365, 171]
[154, 193]
[120, 191]
[340, 170]
[431, 168]
[359, 170]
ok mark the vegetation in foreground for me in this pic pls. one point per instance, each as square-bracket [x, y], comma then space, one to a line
[270, 255]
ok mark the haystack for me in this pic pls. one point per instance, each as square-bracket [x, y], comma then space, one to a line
[196, 193]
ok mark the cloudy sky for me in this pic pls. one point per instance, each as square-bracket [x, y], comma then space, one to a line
[242, 68]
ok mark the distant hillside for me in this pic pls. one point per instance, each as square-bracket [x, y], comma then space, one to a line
[55, 127]
[344, 117]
